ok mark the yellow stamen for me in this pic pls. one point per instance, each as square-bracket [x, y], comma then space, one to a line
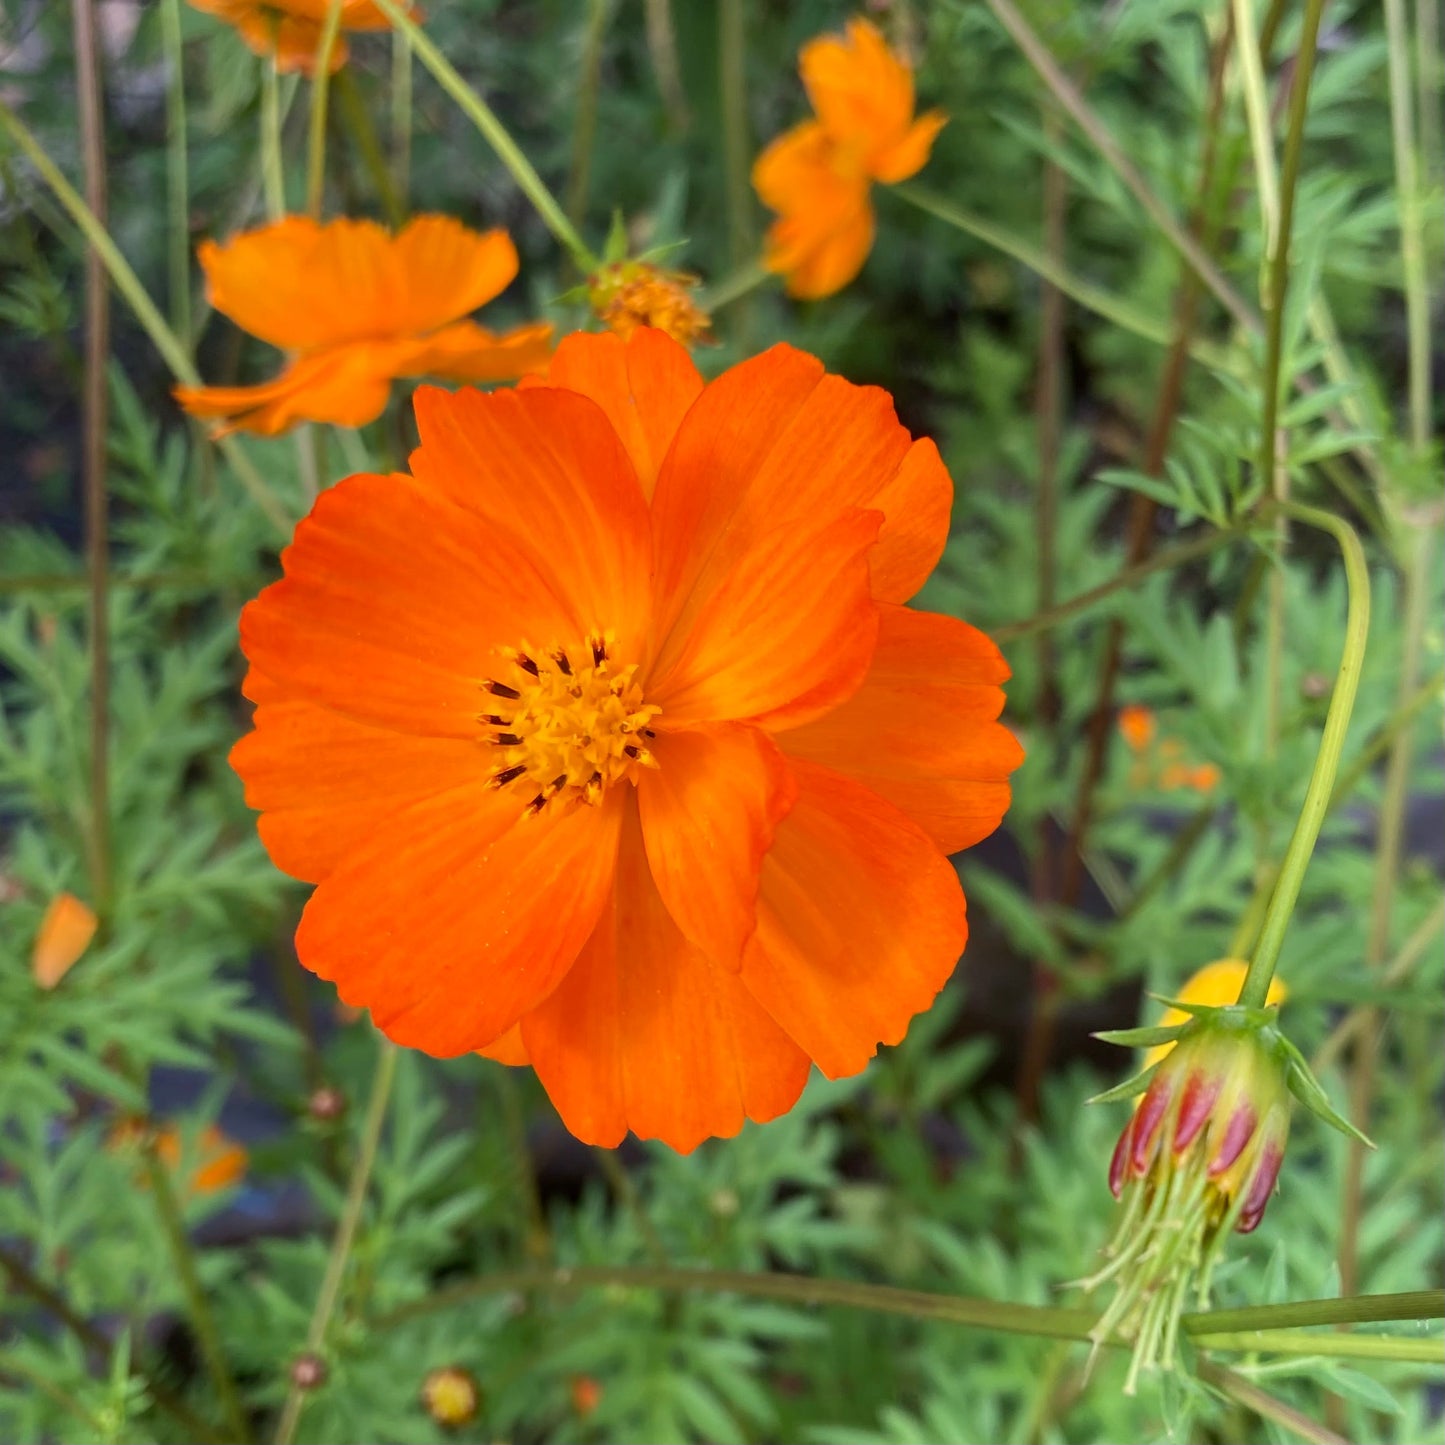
[567, 723]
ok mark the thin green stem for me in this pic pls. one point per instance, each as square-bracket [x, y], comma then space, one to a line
[1412, 241]
[177, 173]
[273, 177]
[1322, 779]
[662, 51]
[198, 1308]
[1085, 293]
[1256, 109]
[345, 1228]
[1070, 98]
[1252, 1397]
[1335, 1346]
[494, 132]
[401, 119]
[316, 131]
[356, 121]
[584, 130]
[1422, 1304]
[1163, 561]
[734, 286]
[733, 97]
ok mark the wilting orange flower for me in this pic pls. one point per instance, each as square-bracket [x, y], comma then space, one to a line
[290, 30]
[359, 307]
[219, 1163]
[818, 175]
[610, 744]
[65, 933]
[627, 294]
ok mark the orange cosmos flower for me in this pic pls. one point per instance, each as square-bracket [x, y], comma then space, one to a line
[359, 307]
[610, 744]
[818, 175]
[1137, 726]
[290, 30]
[219, 1161]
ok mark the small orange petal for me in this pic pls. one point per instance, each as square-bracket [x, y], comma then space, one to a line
[222, 1162]
[1137, 726]
[465, 351]
[509, 1049]
[911, 153]
[65, 933]
[861, 91]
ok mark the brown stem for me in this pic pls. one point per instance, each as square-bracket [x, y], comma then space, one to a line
[94, 424]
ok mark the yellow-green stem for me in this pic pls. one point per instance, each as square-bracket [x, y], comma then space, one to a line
[733, 97]
[1256, 109]
[494, 132]
[1327, 761]
[346, 1226]
[273, 180]
[584, 131]
[316, 132]
[401, 119]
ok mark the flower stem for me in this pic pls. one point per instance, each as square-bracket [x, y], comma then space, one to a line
[273, 177]
[177, 172]
[316, 132]
[1252, 1397]
[345, 1228]
[495, 133]
[733, 94]
[584, 131]
[1327, 762]
[1309, 1342]
[401, 119]
[734, 286]
[197, 1306]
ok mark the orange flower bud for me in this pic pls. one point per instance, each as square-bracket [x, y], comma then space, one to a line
[1137, 726]
[65, 933]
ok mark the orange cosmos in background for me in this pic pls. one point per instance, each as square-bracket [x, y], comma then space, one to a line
[610, 744]
[359, 307]
[64, 934]
[818, 175]
[289, 31]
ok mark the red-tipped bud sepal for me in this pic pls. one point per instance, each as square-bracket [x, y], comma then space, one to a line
[1216, 1106]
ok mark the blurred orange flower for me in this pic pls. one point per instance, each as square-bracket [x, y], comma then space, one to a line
[219, 1161]
[1137, 726]
[290, 30]
[586, 1394]
[360, 307]
[818, 175]
[65, 933]
[627, 294]
[610, 744]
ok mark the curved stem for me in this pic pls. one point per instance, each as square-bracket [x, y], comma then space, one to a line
[495, 133]
[1327, 762]
[345, 1228]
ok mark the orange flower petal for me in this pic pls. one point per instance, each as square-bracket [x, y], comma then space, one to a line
[65, 933]
[291, 39]
[645, 385]
[304, 285]
[645, 1034]
[461, 914]
[911, 153]
[509, 1049]
[861, 91]
[709, 812]
[346, 386]
[222, 1162]
[916, 504]
[393, 605]
[546, 466]
[787, 634]
[324, 783]
[860, 922]
[819, 253]
[920, 731]
[800, 171]
[465, 351]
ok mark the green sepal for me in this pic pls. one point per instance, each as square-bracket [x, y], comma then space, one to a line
[615, 247]
[1141, 1038]
[1306, 1088]
[1128, 1088]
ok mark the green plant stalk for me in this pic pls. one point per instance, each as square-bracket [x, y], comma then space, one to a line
[1256, 109]
[126, 282]
[584, 131]
[401, 119]
[95, 413]
[316, 131]
[1042, 1320]
[494, 132]
[356, 121]
[662, 52]
[273, 179]
[1068, 96]
[1163, 561]
[1412, 241]
[1252, 1397]
[1327, 1345]
[1327, 761]
[733, 96]
[345, 1228]
[734, 286]
[1085, 293]
[177, 172]
[197, 1306]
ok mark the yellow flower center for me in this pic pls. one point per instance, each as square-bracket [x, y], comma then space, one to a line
[568, 723]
